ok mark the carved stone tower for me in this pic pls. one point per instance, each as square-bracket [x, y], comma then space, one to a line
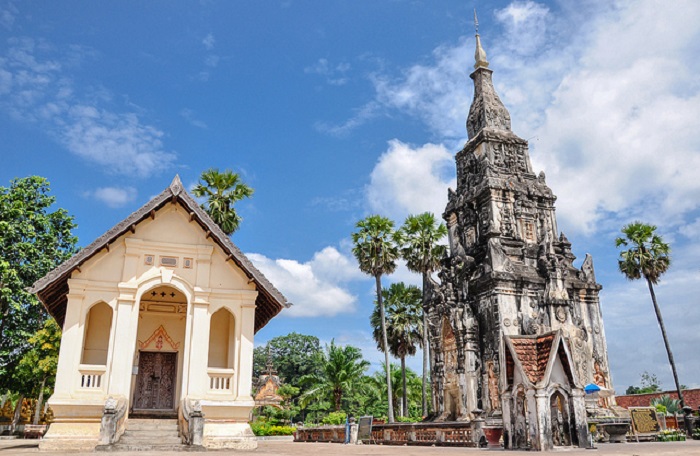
[509, 275]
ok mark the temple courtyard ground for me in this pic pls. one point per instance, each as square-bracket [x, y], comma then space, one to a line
[287, 448]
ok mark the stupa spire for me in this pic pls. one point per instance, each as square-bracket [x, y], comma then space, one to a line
[479, 54]
[487, 110]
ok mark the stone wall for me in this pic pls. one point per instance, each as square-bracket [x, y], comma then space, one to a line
[690, 396]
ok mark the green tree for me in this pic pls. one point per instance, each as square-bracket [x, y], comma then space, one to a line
[419, 238]
[647, 256]
[33, 241]
[649, 383]
[342, 368]
[404, 327]
[36, 372]
[376, 254]
[378, 390]
[292, 356]
[222, 190]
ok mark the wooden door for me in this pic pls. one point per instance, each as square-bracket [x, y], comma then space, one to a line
[155, 382]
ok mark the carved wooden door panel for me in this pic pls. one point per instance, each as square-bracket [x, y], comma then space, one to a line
[155, 383]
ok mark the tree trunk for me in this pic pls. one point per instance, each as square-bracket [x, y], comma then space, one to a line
[668, 347]
[404, 405]
[37, 412]
[390, 414]
[424, 387]
[17, 415]
[338, 399]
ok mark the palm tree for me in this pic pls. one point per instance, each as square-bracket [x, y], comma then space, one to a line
[648, 256]
[377, 387]
[404, 326]
[376, 254]
[342, 368]
[222, 190]
[418, 238]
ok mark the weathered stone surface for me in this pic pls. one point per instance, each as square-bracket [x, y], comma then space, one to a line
[509, 273]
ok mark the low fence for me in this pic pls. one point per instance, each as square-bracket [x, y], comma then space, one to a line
[439, 434]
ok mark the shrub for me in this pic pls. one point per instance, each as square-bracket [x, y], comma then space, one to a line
[335, 418]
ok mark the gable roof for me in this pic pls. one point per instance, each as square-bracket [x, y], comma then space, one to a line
[534, 356]
[52, 289]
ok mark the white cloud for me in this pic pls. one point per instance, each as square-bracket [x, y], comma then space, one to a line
[36, 88]
[408, 180]
[334, 74]
[525, 24]
[8, 12]
[209, 41]
[362, 115]
[190, 117]
[113, 196]
[315, 287]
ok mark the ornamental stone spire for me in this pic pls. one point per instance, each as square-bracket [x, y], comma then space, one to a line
[487, 110]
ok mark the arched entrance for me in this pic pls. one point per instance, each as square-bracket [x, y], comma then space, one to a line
[559, 412]
[158, 359]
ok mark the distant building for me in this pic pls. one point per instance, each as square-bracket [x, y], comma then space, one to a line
[158, 318]
[516, 330]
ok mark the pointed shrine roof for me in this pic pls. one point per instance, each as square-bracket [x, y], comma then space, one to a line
[535, 356]
[52, 289]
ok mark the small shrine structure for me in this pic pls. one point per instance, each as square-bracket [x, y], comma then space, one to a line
[268, 384]
[158, 318]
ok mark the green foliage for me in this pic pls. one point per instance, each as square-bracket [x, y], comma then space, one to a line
[374, 247]
[222, 190]
[376, 254]
[335, 418]
[647, 255]
[263, 428]
[292, 356]
[419, 238]
[650, 383]
[404, 323]
[660, 408]
[671, 406]
[33, 241]
[419, 241]
[341, 372]
[404, 319]
[38, 365]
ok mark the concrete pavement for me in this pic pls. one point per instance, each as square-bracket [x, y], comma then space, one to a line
[287, 448]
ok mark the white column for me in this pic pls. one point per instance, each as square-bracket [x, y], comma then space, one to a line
[71, 342]
[125, 323]
[245, 350]
[198, 353]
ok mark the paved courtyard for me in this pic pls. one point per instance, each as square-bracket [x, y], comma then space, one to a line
[287, 448]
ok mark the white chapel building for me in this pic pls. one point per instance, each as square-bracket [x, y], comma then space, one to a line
[158, 318]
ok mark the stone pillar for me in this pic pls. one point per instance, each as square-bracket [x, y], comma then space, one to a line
[245, 350]
[542, 436]
[71, 342]
[506, 398]
[579, 411]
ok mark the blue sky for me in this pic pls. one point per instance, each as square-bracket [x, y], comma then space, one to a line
[334, 110]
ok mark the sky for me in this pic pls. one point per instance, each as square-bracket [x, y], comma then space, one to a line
[339, 109]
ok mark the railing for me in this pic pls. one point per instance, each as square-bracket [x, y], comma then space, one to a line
[91, 376]
[113, 420]
[220, 380]
[191, 422]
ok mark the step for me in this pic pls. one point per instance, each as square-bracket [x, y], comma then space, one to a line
[160, 425]
[129, 448]
[149, 442]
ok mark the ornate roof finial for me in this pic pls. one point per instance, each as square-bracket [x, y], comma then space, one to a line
[480, 54]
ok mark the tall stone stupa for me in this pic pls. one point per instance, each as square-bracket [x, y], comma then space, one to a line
[515, 330]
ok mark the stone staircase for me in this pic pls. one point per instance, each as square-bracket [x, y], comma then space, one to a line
[150, 434]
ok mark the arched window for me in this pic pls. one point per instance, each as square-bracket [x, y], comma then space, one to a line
[98, 325]
[221, 339]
